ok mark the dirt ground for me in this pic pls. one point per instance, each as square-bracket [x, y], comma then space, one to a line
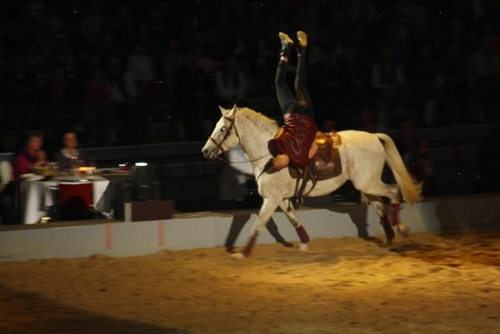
[427, 283]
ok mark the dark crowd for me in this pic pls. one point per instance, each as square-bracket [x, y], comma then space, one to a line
[111, 70]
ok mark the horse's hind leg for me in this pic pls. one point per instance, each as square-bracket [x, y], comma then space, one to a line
[380, 209]
[392, 216]
[292, 216]
[388, 218]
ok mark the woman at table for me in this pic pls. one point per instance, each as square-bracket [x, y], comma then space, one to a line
[24, 162]
[69, 155]
[30, 157]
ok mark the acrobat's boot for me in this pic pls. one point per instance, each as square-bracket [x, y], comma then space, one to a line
[302, 38]
[286, 45]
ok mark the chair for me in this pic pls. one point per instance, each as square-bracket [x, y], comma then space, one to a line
[144, 184]
[9, 204]
[75, 201]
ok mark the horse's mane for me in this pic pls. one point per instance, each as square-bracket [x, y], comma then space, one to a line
[253, 116]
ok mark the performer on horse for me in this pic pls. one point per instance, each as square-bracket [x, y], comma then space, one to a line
[294, 141]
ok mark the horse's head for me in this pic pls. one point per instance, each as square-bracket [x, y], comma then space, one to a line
[224, 136]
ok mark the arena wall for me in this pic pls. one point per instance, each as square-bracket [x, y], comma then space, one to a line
[210, 229]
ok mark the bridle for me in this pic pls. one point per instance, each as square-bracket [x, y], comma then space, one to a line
[218, 145]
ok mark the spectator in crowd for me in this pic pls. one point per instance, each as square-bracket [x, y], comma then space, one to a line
[19, 84]
[388, 80]
[367, 120]
[121, 104]
[171, 60]
[190, 90]
[231, 83]
[59, 108]
[324, 81]
[356, 78]
[434, 48]
[421, 167]
[70, 156]
[408, 138]
[97, 110]
[91, 21]
[139, 69]
[484, 76]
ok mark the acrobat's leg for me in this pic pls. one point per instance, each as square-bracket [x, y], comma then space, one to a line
[266, 210]
[283, 92]
[292, 216]
[303, 97]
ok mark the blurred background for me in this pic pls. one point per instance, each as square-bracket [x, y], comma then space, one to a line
[142, 80]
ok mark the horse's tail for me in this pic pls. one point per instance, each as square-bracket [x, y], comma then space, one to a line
[409, 187]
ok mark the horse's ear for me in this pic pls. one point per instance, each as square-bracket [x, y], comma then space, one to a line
[232, 112]
[228, 112]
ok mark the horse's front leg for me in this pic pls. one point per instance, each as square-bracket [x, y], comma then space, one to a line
[265, 212]
[292, 216]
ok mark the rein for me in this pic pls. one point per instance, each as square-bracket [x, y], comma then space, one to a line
[242, 161]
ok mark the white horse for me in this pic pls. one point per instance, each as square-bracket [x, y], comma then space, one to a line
[363, 156]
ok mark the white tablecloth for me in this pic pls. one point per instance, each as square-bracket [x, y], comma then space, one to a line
[38, 195]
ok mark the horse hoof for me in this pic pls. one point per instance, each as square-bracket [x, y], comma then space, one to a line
[403, 230]
[237, 255]
[303, 247]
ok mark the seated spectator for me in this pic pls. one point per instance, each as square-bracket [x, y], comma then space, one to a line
[30, 157]
[23, 163]
[69, 154]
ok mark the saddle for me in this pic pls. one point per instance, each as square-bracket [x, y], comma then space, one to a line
[324, 165]
[326, 162]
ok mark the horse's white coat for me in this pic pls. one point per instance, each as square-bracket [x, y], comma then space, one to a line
[363, 157]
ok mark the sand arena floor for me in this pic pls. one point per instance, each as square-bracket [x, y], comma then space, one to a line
[427, 283]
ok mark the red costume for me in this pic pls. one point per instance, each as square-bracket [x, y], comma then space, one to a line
[295, 138]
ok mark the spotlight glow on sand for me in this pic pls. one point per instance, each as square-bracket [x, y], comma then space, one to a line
[424, 284]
